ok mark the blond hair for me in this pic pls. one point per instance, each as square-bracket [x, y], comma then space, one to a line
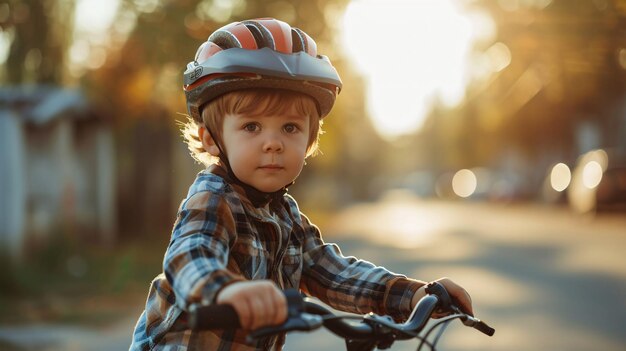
[250, 102]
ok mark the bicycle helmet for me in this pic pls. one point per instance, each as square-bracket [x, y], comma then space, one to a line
[259, 53]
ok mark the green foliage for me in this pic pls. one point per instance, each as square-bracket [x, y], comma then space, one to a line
[71, 281]
[6, 346]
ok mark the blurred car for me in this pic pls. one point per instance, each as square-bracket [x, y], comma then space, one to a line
[599, 182]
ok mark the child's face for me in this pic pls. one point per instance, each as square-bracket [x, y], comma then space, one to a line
[266, 152]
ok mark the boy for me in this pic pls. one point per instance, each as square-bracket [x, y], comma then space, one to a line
[257, 91]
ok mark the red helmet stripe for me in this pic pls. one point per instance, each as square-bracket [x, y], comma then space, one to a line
[207, 50]
[244, 36]
[239, 32]
[281, 33]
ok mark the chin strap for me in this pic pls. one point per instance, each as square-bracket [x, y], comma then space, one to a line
[260, 198]
[257, 197]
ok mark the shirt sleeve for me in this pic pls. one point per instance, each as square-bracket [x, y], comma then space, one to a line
[196, 260]
[350, 284]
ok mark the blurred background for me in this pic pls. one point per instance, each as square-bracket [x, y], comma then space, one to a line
[483, 140]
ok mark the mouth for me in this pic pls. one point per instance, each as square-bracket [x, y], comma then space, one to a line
[271, 167]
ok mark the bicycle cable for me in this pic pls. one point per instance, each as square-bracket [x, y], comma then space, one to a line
[447, 320]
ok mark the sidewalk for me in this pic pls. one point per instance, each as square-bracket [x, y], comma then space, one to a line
[69, 338]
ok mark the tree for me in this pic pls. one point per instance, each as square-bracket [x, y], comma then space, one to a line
[40, 34]
[565, 68]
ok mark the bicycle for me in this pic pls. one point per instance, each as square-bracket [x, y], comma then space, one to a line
[370, 332]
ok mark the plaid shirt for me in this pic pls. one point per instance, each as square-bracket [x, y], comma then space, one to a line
[219, 238]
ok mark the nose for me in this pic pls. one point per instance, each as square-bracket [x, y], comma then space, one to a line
[273, 143]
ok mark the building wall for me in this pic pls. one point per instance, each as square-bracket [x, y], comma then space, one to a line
[12, 184]
[55, 178]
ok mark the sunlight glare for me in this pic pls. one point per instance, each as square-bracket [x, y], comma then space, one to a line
[399, 219]
[92, 19]
[414, 53]
[94, 16]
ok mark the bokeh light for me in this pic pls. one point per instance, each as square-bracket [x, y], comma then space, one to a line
[592, 174]
[499, 56]
[464, 183]
[585, 180]
[5, 40]
[560, 177]
[92, 20]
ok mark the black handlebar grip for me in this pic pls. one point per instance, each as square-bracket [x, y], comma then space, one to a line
[436, 288]
[295, 302]
[224, 316]
[213, 317]
[484, 328]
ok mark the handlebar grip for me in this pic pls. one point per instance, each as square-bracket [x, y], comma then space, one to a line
[484, 328]
[295, 302]
[213, 317]
[224, 316]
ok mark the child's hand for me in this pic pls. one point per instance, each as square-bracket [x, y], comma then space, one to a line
[459, 296]
[258, 303]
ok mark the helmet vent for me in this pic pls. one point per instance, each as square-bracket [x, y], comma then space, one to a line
[298, 39]
[225, 39]
[262, 35]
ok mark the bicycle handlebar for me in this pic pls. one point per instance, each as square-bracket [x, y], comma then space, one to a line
[212, 317]
[304, 314]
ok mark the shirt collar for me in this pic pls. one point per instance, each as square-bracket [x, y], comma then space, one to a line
[253, 196]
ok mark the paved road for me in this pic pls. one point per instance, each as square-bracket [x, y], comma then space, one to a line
[545, 279]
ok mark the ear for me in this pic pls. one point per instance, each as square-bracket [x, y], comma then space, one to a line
[208, 143]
